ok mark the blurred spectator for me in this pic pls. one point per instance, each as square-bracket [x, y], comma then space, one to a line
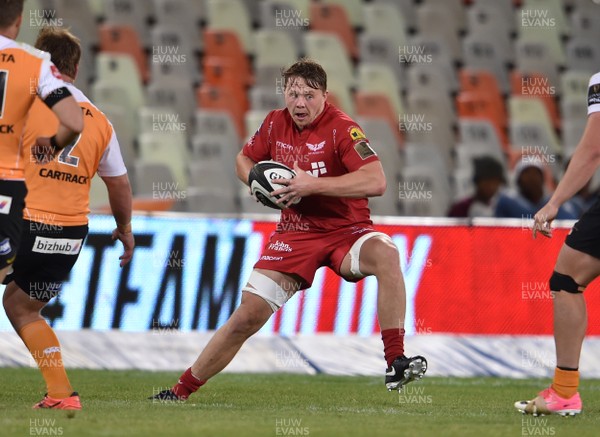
[488, 176]
[529, 196]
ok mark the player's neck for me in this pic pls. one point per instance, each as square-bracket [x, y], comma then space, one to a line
[67, 79]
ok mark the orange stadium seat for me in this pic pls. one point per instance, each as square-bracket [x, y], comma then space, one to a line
[483, 81]
[124, 39]
[333, 18]
[378, 106]
[536, 86]
[479, 105]
[226, 44]
[224, 73]
[215, 97]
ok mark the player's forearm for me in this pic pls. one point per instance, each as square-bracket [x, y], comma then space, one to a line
[583, 165]
[120, 199]
[243, 165]
[356, 184]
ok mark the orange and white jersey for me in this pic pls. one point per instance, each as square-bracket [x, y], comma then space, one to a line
[59, 191]
[24, 73]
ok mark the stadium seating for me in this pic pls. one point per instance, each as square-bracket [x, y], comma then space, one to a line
[209, 201]
[215, 66]
[172, 45]
[216, 122]
[226, 44]
[340, 95]
[353, 9]
[222, 98]
[173, 94]
[266, 98]
[233, 16]
[166, 148]
[149, 177]
[332, 18]
[384, 142]
[121, 70]
[328, 50]
[376, 49]
[124, 130]
[377, 105]
[124, 39]
[184, 15]
[204, 173]
[289, 16]
[583, 55]
[252, 120]
[481, 133]
[384, 19]
[378, 78]
[424, 191]
[129, 13]
[536, 86]
[274, 47]
[484, 52]
[442, 25]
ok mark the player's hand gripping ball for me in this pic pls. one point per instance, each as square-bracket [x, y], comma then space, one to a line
[260, 183]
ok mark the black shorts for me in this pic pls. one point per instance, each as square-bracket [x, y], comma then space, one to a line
[12, 202]
[585, 234]
[45, 258]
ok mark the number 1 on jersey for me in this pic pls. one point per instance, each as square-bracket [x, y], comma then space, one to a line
[3, 80]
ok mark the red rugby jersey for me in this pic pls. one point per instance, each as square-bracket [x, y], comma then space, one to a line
[332, 145]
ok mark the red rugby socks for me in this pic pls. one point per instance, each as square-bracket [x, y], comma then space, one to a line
[187, 384]
[393, 344]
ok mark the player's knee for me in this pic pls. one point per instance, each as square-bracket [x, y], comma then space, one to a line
[245, 323]
[560, 282]
[387, 259]
[12, 307]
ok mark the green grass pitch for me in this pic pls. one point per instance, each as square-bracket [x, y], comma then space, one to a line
[115, 404]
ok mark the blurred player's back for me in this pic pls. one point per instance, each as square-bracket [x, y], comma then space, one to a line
[20, 67]
[61, 187]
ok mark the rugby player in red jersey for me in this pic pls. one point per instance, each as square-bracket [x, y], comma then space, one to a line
[336, 171]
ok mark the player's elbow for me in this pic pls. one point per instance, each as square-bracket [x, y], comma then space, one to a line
[77, 124]
[243, 165]
[378, 187]
[73, 123]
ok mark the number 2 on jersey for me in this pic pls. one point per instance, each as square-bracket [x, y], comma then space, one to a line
[65, 156]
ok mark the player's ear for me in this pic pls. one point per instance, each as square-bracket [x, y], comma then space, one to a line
[325, 94]
[19, 22]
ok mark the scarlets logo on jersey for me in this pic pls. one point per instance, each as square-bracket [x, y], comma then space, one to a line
[316, 147]
[356, 133]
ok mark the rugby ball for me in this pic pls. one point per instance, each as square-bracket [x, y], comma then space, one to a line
[260, 183]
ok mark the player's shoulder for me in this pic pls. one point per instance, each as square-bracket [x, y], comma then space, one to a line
[90, 110]
[595, 79]
[280, 114]
[28, 49]
[77, 94]
[344, 123]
